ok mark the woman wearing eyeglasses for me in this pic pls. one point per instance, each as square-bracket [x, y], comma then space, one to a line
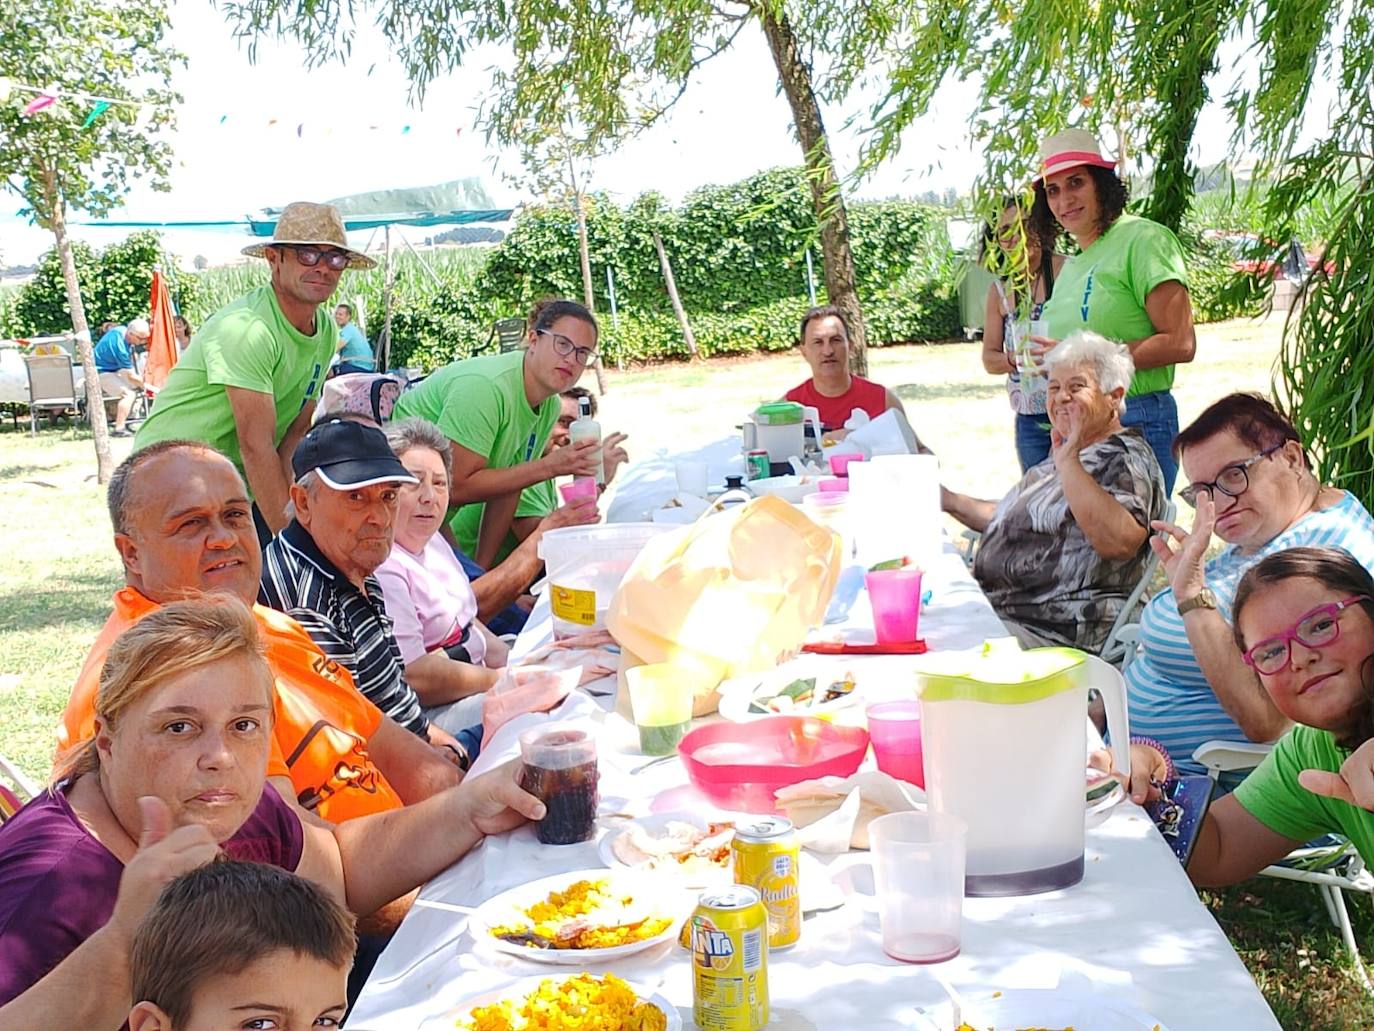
[1250, 481]
[498, 410]
[1305, 627]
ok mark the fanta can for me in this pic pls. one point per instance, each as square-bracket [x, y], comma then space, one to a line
[730, 960]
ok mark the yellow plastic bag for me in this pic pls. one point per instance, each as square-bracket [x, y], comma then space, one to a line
[731, 594]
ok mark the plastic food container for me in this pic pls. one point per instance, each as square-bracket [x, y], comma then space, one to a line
[585, 565]
[739, 765]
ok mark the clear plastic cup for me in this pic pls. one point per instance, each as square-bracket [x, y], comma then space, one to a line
[831, 510]
[560, 770]
[692, 477]
[894, 730]
[895, 596]
[661, 698]
[918, 869]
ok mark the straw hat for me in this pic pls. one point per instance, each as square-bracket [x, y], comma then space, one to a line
[1069, 149]
[307, 224]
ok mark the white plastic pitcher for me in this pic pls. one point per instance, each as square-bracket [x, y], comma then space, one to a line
[1005, 739]
[780, 429]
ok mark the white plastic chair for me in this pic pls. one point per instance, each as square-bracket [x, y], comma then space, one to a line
[1117, 646]
[1332, 869]
[15, 785]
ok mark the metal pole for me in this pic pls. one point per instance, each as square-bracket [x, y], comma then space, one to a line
[610, 290]
[810, 278]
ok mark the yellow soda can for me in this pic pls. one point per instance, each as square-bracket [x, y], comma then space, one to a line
[730, 960]
[765, 859]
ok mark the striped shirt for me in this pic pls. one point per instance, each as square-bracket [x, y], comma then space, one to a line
[1170, 699]
[349, 625]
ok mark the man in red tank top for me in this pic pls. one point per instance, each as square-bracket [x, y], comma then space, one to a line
[832, 388]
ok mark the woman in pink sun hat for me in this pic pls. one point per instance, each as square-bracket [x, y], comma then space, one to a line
[1128, 281]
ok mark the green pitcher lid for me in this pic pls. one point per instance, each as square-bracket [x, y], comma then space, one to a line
[1000, 674]
[778, 413]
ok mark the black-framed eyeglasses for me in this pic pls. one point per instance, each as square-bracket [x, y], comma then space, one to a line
[1316, 629]
[312, 256]
[584, 356]
[1233, 481]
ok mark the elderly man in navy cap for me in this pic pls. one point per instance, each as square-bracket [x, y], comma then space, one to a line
[318, 570]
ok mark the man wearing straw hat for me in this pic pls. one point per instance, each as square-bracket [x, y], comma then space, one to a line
[248, 382]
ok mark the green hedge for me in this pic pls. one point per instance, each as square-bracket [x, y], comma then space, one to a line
[115, 286]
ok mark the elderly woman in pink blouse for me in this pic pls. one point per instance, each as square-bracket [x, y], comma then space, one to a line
[450, 657]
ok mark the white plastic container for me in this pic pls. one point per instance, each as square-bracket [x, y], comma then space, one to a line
[584, 566]
[1004, 737]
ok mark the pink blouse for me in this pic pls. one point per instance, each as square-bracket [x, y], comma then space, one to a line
[428, 599]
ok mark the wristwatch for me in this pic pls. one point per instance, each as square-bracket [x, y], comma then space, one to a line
[1204, 599]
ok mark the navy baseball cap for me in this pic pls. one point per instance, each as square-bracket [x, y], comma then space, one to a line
[348, 454]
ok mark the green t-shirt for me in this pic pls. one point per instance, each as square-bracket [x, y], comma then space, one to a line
[248, 343]
[1104, 289]
[1273, 796]
[480, 404]
[537, 500]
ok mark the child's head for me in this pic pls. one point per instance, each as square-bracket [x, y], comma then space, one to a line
[240, 945]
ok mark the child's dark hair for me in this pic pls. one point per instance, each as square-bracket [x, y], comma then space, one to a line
[1337, 570]
[217, 920]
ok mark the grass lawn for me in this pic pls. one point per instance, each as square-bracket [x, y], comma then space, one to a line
[60, 569]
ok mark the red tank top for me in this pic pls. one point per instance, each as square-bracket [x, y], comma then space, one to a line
[862, 393]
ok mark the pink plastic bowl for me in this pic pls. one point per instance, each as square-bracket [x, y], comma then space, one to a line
[835, 485]
[839, 464]
[739, 765]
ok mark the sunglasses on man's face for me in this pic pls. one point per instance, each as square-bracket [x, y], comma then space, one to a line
[312, 256]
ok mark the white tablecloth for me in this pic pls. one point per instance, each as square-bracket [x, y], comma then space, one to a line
[1133, 929]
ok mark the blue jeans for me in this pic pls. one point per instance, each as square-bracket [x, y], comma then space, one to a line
[1032, 440]
[1156, 416]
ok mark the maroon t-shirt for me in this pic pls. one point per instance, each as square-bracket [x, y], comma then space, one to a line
[58, 884]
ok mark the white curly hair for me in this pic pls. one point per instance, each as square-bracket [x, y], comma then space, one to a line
[1110, 361]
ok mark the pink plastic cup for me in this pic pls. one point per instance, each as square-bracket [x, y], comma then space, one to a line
[839, 464]
[894, 728]
[581, 489]
[833, 486]
[895, 595]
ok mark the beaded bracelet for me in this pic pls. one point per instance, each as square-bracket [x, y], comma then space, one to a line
[1149, 742]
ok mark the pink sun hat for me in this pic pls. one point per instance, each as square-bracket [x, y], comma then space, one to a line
[1069, 149]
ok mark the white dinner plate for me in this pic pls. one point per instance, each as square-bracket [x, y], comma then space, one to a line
[523, 987]
[654, 823]
[507, 908]
[737, 694]
[1055, 1008]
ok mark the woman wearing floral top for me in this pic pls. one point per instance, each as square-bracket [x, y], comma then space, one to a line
[1062, 551]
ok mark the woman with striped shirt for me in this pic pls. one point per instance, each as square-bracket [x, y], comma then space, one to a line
[1252, 485]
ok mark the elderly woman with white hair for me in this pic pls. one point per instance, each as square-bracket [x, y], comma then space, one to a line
[1061, 552]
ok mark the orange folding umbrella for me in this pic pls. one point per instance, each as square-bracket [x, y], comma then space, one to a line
[162, 348]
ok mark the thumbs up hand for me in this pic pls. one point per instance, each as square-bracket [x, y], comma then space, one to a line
[163, 855]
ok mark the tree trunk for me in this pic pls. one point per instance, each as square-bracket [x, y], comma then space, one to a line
[671, 284]
[837, 259]
[588, 297]
[95, 398]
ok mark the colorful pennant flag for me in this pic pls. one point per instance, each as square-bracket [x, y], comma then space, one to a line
[101, 106]
[38, 103]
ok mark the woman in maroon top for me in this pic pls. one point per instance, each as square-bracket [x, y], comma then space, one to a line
[832, 389]
[175, 774]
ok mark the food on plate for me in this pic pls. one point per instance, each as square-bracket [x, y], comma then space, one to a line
[970, 1027]
[891, 563]
[577, 1003]
[801, 694]
[585, 915]
[678, 846]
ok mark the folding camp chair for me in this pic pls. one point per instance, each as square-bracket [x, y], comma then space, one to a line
[52, 385]
[1332, 868]
[15, 789]
[509, 334]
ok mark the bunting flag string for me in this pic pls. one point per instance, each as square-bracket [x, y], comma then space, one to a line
[45, 98]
